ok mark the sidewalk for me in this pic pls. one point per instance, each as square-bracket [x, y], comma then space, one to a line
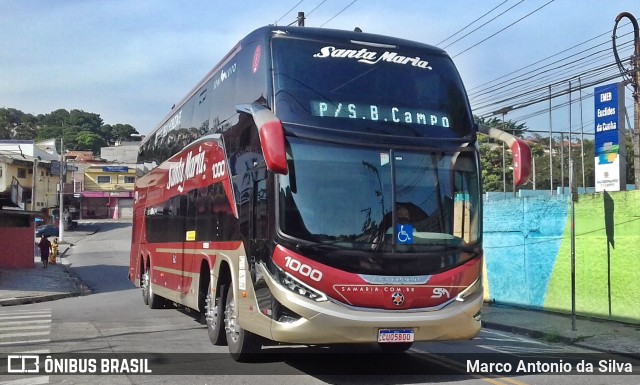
[20, 286]
[591, 333]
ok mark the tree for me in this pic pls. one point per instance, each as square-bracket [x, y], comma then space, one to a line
[73, 126]
[87, 140]
[123, 132]
[85, 121]
[491, 155]
[517, 130]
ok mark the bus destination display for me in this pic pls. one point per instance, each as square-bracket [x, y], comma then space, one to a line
[374, 112]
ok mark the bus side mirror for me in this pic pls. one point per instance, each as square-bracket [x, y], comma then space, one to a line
[519, 149]
[271, 136]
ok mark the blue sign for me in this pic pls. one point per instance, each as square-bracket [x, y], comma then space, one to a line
[609, 137]
[115, 169]
[606, 121]
[404, 234]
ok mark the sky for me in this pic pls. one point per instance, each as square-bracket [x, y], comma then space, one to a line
[130, 61]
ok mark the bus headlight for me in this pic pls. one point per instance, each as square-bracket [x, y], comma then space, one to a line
[469, 291]
[292, 283]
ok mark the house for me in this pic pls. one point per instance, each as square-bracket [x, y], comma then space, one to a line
[29, 174]
[106, 186]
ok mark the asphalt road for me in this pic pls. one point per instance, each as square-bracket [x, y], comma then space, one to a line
[114, 319]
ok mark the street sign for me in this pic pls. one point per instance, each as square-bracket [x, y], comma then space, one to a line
[55, 167]
[609, 138]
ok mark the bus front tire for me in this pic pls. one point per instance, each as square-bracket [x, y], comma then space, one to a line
[214, 315]
[243, 345]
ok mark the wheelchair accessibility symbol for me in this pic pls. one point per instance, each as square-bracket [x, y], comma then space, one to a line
[404, 234]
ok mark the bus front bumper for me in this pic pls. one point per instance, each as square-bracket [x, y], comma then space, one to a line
[328, 322]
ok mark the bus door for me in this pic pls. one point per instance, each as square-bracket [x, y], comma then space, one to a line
[189, 245]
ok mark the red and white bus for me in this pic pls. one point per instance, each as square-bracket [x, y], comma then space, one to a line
[317, 187]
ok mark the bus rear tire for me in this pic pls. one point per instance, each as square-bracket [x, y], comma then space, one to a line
[144, 285]
[243, 345]
[153, 300]
[396, 347]
[214, 315]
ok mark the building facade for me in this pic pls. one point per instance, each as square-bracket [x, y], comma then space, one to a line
[108, 191]
[29, 175]
[98, 187]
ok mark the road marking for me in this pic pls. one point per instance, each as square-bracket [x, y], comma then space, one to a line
[24, 342]
[28, 381]
[520, 350]
[25, 327]
[23, 312]
[26, 316]
[11, 323]
[512, 337]
[4, 328]
[13, 335]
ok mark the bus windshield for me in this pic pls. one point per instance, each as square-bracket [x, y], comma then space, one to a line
[392, 91]
[342, 196]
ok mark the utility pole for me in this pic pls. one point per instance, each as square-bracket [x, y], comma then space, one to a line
[33, 183]
[61, 224]
[300, 19]
[635, 82]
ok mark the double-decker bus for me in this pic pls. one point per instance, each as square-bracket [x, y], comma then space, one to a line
[317, 187]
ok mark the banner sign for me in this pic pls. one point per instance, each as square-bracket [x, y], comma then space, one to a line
[124, 169]
[610, 152]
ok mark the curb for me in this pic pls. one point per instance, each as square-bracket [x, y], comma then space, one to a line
[36, 299]
[81, 288]
[554, 337]
[536, 334]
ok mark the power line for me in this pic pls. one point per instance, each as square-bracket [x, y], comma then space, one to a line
[550, 74]
[506, 80]
[526, 89]
[508, 26]
[334, 16]
[286, 13]
[317, 6]
[558, 94]
[483, 25]
[473, 22]
[540, 92]
[538, 62]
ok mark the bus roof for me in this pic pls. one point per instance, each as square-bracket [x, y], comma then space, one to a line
[311, 33]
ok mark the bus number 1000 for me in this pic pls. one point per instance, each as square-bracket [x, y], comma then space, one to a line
[302, 268]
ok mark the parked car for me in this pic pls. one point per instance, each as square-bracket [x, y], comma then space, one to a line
[47, 230]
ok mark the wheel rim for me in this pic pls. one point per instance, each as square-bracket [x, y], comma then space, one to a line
[231, 321]
[145, 284]
[211, 310]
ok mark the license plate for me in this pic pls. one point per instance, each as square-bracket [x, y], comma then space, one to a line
[395, 335]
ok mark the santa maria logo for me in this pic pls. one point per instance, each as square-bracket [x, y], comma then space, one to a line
[363, 55]
[183, 170]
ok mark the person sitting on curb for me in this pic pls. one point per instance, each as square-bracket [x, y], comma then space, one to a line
[54, 251]
[45, 247]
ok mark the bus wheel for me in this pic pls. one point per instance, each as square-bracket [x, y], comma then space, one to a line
[144, 284]
[396, 347]
[214, 315]
[243, 345]
[153, 300]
